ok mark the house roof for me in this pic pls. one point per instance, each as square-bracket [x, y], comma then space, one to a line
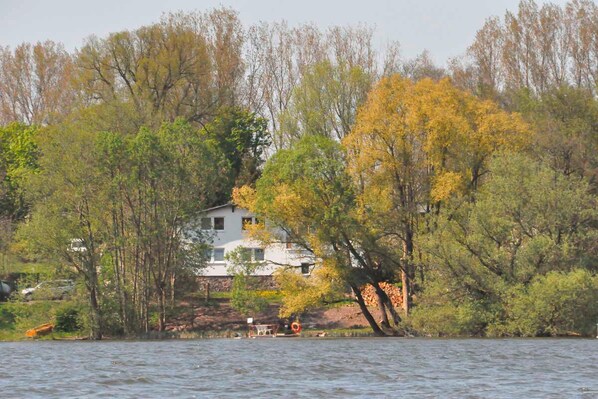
[218, 207]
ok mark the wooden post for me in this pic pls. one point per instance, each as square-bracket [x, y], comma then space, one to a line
[207, 290]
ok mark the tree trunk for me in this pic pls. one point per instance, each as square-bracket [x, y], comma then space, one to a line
[364, 309]
[94, 307]
[162, 316]
[383, 297]
[405, 289]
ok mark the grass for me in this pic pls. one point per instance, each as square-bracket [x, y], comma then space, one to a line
[18, 317]
[13, 264]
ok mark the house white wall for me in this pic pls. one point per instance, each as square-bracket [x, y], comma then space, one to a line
[233, 236]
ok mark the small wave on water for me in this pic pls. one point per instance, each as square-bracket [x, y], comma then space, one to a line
[304, 368]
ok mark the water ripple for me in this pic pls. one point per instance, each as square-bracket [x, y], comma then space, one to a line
[302, 368]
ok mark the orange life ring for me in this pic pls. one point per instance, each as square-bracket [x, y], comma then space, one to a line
[296, 327]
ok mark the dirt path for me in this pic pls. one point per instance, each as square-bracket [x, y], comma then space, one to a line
[218, 315]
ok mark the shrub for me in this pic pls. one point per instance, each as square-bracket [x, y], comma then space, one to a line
[7, 318]
[450, 319]
[555, 304]
[68, 318]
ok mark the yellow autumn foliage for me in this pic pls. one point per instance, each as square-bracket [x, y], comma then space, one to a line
[427, 137]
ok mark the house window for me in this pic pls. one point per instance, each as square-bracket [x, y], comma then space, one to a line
[206, 223]
[305, 268]
[218, 223]
[258, 254]
[218, 254]
[245, 222]
[208, 255]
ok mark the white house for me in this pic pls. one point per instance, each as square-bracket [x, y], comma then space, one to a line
[227, 223]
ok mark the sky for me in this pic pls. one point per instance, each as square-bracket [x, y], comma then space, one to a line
[444, 27]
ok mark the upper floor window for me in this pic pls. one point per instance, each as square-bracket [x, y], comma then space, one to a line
[245, 222]
[216, 223]
[219, 223]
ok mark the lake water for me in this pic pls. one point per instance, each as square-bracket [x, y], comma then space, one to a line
[304, 368]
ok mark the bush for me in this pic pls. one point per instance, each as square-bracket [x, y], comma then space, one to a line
[555, 304]
[450, 319]
[68, 318]
[442, 311]
[7, 318]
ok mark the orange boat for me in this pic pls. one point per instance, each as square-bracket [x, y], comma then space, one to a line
[38, 331]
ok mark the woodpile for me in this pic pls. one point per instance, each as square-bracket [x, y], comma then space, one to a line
[371, 299]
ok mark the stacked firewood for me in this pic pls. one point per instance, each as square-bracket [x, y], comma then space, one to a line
[371, 299]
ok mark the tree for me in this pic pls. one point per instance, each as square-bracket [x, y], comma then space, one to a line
[566, 119]
[68, 210]
[244, 297]
[325, 102]
[119, 209]
[415, 145]
[306, 194]
[243, 138]
[18, 160]
[538, 48]
[526, 221]
[157, 184]
[187, 65]
[35, 83]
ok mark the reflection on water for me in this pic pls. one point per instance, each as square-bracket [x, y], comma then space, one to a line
[305, 368]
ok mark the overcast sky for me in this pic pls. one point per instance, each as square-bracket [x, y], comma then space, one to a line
[444, 27]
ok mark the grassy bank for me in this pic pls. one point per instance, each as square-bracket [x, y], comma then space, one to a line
[18, 317]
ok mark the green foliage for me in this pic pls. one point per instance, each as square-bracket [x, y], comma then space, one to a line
[68, 318]
[7, 318]
[18, 159]
[442, 310]
[245, 297]
[242, 137]
[325, 102]
[449, 319]
[18, 317]
[557, 303]
[500, 261]
[526, 220]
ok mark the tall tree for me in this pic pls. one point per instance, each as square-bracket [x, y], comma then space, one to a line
[527, 221]
[307, 197]
[416, 144]
[243, 138]
[158, 182]
[35, 83]
[186, 65]
[68, 221]
[325, 102]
